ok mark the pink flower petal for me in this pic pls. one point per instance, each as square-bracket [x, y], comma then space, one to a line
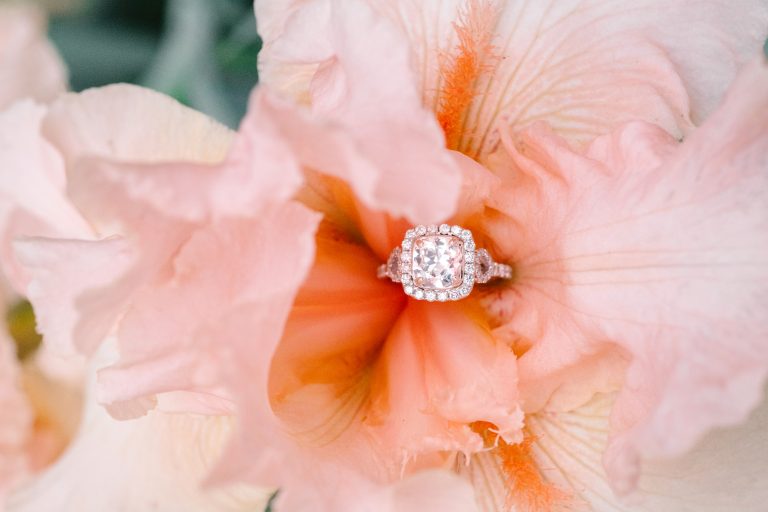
[584, 67]
[441, 371]
[137, 175]
[63, 273]
[337, 324]
[657, 249]
[369, 127]
[29, 64]
[128, 123]
[222, 272]
[185, 186]
[32, 186]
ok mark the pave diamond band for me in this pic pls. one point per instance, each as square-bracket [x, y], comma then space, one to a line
[440, 263]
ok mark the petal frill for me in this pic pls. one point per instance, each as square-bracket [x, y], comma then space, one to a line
[33, 186]
[658, 249]
[65, 277]
[367, 124]
[441, 370]
[585, 67]
[30, 67]
[229, 268]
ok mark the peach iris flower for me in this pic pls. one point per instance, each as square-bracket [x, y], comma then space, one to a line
[231, 278]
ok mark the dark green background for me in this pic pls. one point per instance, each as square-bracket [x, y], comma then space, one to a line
[202, 52]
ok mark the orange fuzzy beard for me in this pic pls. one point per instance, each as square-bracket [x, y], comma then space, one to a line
[461, 69]
[527, 490]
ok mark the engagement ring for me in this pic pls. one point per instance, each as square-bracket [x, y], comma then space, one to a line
[439, 263]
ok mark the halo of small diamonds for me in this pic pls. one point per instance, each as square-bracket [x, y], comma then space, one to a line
[446, 236]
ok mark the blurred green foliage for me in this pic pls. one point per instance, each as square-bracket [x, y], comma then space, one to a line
[202, 52]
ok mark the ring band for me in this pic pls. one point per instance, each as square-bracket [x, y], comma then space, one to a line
[440, 263]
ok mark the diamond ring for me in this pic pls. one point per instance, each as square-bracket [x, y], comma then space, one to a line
[440, 263]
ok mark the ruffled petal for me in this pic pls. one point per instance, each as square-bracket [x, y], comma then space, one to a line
[32, 187]
[30, 67]
[225, 269]
[368, 126]
[193, 182]
[441, 370]
[146, 180]
[63, 272]
[238, 264]
[585, 67]
[84, 137]
[654, 249]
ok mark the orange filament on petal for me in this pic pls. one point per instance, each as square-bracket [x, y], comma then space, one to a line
[527, 490]
[461, 69]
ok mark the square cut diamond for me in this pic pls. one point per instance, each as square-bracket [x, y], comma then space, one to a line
[437, 262]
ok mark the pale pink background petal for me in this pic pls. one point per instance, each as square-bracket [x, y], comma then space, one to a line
[153, 463]
[16, 420]
[30, 67]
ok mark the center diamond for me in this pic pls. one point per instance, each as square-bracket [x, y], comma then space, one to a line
[437, 262]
